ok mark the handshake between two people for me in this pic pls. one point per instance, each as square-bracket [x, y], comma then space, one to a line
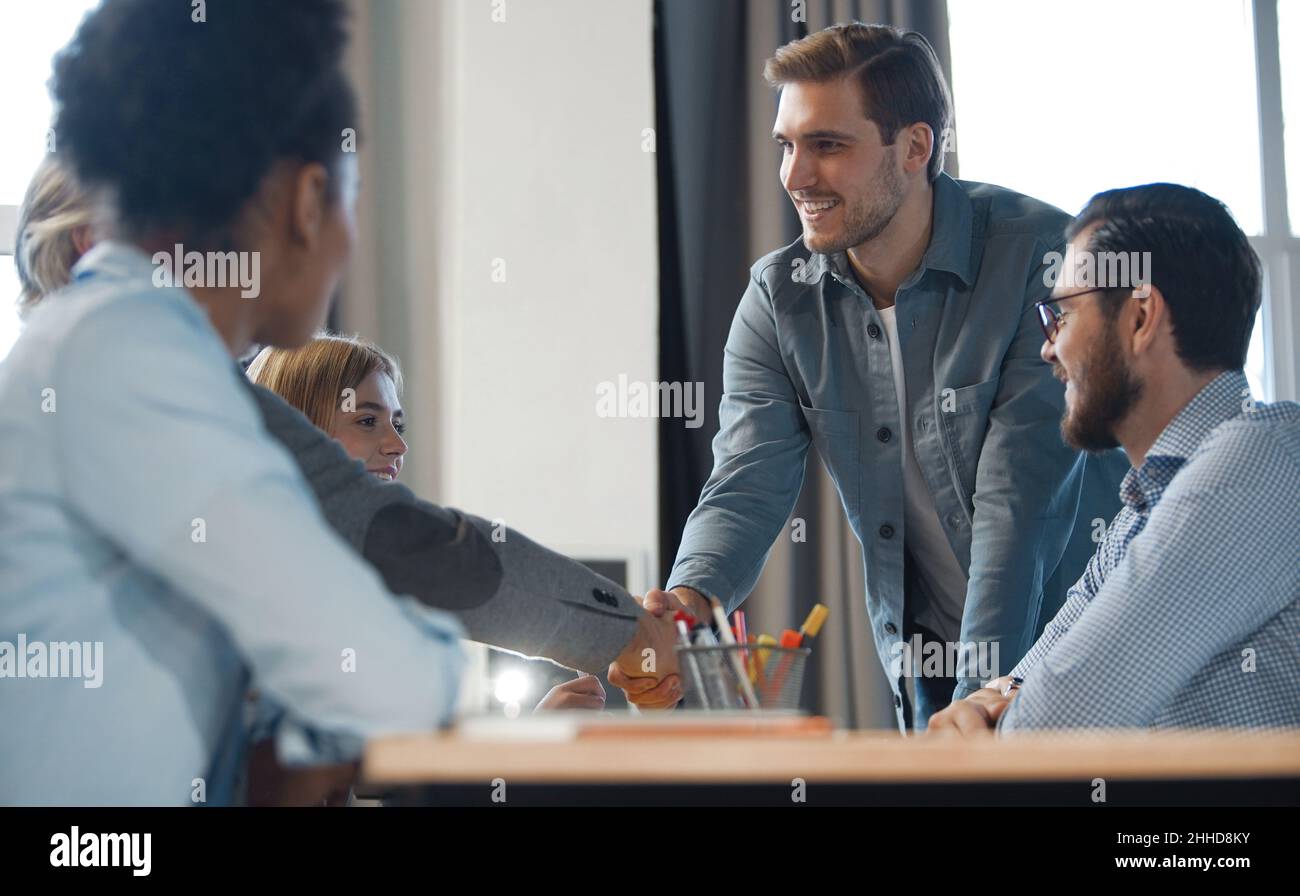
[646, 671]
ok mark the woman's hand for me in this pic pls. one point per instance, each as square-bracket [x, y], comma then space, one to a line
[584, 692]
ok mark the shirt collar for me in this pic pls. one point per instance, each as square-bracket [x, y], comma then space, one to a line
[124, 263]
[1221, 399]
[114, 259]
[952, 239]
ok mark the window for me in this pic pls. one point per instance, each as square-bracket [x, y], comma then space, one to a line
[1061, 101]
[1288, 30]
[30, 35]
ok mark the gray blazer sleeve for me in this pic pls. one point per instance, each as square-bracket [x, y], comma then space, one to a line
[507, 590]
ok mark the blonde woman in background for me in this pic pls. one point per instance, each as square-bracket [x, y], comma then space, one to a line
[55, 228]
[351, 389]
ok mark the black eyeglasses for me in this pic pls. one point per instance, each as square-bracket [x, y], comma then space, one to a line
[1049, 317]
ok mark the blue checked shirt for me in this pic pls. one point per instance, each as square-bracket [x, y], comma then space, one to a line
[1188, 615]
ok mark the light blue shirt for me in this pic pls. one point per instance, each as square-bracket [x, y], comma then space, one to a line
[1188, 615]
[144, 508]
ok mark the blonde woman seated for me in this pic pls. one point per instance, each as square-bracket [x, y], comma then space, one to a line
[351, 389]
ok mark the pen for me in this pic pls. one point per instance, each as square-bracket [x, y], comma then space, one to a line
[684, 621]
[720, 697]
[742, 632]
[738, 667]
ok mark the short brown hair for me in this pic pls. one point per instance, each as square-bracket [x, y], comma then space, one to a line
[898, 72]
[312, 378]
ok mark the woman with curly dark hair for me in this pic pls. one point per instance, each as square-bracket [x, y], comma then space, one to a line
[163, 555]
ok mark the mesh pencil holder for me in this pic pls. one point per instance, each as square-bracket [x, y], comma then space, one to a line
[712, 681]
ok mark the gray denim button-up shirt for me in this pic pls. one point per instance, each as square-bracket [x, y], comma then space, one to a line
[807, 360]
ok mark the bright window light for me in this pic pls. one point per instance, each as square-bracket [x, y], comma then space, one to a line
[30, 35]
[1288, 38]
[1063, 100]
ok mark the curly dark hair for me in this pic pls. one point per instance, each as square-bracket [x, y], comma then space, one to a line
[181, 119]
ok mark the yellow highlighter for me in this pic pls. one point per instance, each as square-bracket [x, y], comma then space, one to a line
[761, 655]
[813, 624]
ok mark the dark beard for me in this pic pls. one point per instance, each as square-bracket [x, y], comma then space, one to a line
[1106, 392]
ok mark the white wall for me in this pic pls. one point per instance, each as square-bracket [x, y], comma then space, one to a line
[519, 140]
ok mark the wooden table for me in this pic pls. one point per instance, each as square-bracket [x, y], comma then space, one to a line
[848, 768]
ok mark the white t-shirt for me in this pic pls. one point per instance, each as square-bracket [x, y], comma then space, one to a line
[923, 535]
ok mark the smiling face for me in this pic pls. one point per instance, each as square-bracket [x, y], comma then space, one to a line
[845, 183]
[1087, 355]
[372, 433]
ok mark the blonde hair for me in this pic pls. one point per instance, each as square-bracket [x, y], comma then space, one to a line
[312, 378]
[54, 208]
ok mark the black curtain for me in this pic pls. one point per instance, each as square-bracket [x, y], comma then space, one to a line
[703, 72]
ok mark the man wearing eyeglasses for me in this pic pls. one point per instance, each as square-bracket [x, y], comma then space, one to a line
[899, 336]
[1187, 615]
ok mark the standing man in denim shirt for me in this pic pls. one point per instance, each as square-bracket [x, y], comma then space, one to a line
[898, 335]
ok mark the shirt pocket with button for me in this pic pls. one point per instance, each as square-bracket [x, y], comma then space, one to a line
[835, 433]
[965, 414]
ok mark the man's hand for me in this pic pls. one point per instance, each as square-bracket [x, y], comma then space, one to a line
[1000, 685]
[662, 687]
[977, 715]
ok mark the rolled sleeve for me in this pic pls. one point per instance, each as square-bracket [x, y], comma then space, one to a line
[759, 455]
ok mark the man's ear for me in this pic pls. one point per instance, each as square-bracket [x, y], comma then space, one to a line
[920, 146]
[1149, 317]
[309, 203]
